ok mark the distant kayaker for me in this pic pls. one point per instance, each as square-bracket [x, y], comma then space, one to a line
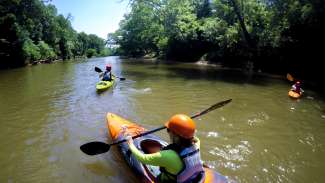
[297, 87]
[180, 161]
[107, 75]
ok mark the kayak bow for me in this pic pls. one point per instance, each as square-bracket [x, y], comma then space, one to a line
[294, 95]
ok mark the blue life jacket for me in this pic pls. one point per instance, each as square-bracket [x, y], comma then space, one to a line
[193, 170]
[107, 76]
[193, 166]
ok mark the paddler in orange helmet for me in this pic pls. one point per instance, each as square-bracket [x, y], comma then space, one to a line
[180, 161]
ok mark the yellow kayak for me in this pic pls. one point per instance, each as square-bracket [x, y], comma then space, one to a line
[104, 85]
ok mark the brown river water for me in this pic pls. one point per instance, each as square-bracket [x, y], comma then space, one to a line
[48, 111]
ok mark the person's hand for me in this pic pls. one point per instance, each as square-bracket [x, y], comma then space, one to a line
[128, 136]
[129, 139]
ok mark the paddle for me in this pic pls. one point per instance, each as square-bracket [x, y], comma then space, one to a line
[289, 77]
[94, 148]
[97, 69]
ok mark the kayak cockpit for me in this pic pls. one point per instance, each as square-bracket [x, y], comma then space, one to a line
[102, 83]
[150, 146]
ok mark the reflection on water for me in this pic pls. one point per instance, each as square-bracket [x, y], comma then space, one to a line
[48, 111]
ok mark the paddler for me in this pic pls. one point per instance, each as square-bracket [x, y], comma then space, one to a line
[107, 75]
[180, 161]
[297, 87]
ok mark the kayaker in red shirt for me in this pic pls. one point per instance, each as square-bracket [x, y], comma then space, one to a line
[180, 161]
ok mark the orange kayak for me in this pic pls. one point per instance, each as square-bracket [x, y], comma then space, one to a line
[147, 144]
[295, 95]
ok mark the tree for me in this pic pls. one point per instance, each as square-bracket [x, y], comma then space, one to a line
[46, 51]
[91, 52]
[31, 51]
[31, 30]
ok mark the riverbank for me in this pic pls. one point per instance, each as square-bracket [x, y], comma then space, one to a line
[49, 61]
[209, 64]
[44, 62]
[307, 83]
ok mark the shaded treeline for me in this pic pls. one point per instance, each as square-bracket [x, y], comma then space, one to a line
[277, 36]
[32, 30]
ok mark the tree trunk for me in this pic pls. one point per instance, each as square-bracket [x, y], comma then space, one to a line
[250, 43]
[242, 24]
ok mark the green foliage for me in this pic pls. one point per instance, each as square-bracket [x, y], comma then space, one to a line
[266, 32]
[203, 9]
[96, 43]
[82, 44]
[140, 31]
[46, 51]
[162, 45]
[91, 52]
[31, 30]
[107, 52]
[31, 51]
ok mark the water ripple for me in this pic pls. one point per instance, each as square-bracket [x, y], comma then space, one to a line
[258, 119]
[233, 155]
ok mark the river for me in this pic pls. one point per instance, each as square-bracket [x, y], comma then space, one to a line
[47, 111]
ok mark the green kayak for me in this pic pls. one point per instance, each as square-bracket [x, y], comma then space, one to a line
[104, 85]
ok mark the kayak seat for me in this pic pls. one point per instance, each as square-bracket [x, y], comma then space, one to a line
[102, 83]
[150, 146]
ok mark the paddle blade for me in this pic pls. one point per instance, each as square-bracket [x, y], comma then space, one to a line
[94, 148]
[215, 106]
[122, 79]
[289, 77]
[98, 69]
[220, 104]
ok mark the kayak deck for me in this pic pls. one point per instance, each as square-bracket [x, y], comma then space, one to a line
[104, 85]
[293, 94]
[147, 144]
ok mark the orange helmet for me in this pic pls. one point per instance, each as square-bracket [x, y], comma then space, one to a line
[181, 125]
